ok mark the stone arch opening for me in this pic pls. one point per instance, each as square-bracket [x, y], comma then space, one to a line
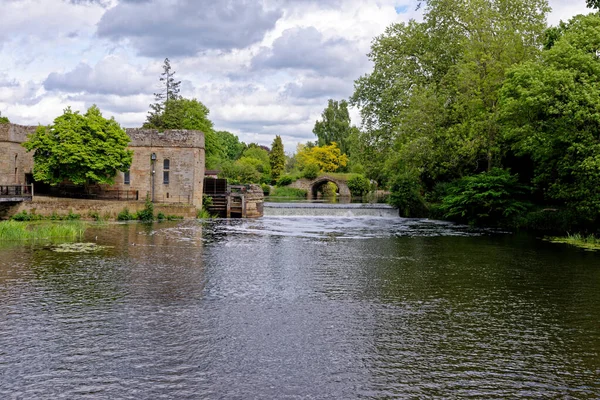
[318, 187]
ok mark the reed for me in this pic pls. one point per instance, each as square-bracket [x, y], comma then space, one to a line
[17, 230]
[589, 242]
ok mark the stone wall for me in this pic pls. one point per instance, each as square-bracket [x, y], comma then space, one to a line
[107, 209]
[15, 161]
[184, 149]
[309, 185]
[255, 199]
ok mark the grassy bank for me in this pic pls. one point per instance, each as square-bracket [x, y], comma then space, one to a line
[589, 242]
[282, 191]
[17, 230]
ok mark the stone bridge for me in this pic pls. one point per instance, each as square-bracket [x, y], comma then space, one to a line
[312, 186]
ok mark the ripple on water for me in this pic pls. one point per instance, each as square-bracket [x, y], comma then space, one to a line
[297, 308]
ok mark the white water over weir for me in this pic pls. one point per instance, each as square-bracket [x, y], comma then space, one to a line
[330, 210]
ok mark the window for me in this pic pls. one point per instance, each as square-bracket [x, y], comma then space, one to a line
[126, 178]
[166, 166]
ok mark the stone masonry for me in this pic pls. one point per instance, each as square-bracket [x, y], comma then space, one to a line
[183, 149]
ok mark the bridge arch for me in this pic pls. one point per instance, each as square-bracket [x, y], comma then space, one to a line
[343, 188]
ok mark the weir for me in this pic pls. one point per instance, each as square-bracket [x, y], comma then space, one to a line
[330, 210]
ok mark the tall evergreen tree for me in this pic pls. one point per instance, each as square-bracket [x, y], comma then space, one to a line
[277, 158]
[169, 91]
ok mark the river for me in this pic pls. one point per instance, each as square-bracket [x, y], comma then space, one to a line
[300, 307]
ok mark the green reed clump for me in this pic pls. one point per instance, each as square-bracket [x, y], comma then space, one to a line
[18, 230]
[589, 242]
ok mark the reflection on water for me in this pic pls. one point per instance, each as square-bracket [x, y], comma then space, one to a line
[300, 307]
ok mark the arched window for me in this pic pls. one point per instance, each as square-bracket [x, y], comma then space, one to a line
[166, 166]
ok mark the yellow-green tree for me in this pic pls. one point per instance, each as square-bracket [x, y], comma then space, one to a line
[328, 158]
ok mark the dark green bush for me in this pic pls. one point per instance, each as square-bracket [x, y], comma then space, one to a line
[285, 180]
[406, 195]
[359, 185]
[491, 198]
[24, 216]
[125, 215]
[311, 171]
[147, 213]
[266, 189]
[161, 216]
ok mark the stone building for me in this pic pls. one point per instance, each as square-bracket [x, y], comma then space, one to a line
[167, 166]
[15, 161]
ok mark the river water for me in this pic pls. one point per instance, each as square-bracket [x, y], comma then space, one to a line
[300, 308]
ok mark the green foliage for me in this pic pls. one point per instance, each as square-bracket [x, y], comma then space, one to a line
[288, 192]
[147, 213]
[277, 158]
[311, 171]
[16, 230]
[285, 180]
[489, 197]
[406, 195]
[203, 214]
[327, 158]
[330, 189]
[335, 125]
[432, 98]
[230, 144]
[551, 116]
[125, 215]
[266, 189]
[252, 167]
[25, 216]
[161, 216]
[359, 185]
[3, 120]
[207, 201]
[83, 149]
[593, 3]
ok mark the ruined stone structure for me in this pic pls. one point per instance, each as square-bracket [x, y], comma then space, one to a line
[312, 186]
[167, 166]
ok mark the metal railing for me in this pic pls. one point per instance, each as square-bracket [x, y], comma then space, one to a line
[24, 191]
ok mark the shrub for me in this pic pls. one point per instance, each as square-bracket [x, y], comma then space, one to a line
[284, 180]
[94, 215]
[161, 216]
[203, 214]
[491, 197]
[266, 189]
[311, 171]
[72, 216]
[207, 201]
[147, 213]
[406, 195]
[359, 185]
[125, 215]
[24, 216]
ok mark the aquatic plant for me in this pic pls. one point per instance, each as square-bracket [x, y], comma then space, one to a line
[19, 230]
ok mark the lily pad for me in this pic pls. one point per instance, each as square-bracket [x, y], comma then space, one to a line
[77, 248]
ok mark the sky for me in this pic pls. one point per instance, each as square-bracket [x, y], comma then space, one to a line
[262, 67]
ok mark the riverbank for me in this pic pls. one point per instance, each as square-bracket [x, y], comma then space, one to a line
[41, 230]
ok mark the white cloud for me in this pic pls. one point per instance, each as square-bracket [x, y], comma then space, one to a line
[264, 68]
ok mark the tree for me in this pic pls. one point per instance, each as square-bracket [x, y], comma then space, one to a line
[593, 3]
[230, 144]
[551, 114]
[328, 158]
[169, 91]
[277, 158]
[433, 93]
[82, 149]
[189, 114]
[335, 125]
[3, 120]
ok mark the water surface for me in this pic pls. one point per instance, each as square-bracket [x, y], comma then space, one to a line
[300, 307]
